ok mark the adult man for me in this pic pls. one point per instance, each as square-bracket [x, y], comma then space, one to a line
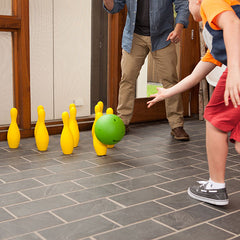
[150, 28]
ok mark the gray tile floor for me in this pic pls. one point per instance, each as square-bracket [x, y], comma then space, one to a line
[136, 192]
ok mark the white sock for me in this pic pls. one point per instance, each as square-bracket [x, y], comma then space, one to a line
[214, 185]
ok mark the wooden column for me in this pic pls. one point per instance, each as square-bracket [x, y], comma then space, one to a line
[189, 57]
[21, 60]
[116, 24]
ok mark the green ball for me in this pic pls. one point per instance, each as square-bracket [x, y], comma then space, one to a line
[109, 129]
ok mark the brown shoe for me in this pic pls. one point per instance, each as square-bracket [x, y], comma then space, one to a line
[179, 134]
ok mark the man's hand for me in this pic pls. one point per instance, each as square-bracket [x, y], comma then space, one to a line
[175, 35]
[109, 4]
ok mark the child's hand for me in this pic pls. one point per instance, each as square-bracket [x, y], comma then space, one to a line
[159, 96]
[232, 89]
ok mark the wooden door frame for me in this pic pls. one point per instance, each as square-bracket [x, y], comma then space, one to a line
[99, 50]
[21, 66]
[18, 25]
[141, 113]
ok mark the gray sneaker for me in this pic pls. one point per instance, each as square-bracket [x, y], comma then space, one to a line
[212, 196]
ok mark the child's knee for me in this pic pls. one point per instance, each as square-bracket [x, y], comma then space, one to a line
[237, 147]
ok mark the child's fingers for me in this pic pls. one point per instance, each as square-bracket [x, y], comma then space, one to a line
[226, 95]
[156, 97]
[235, 98]
[153, 95]
[150, 103]
[159, 88]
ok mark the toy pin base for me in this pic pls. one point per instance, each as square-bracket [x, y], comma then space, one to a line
[110, 146]
[101, 155]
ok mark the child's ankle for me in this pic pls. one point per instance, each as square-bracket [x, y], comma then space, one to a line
[215, 185]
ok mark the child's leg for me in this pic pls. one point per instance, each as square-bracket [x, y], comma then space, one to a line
[237, 146]
[213, 191]
[235, 136]
[217, 150]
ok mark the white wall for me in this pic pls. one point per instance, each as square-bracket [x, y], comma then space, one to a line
[60, 56]
[5, 7]
[141, 87]
[72, 55]
[41, 56]
[6, 77]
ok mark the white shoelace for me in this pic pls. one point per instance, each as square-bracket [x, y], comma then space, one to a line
[206, 184]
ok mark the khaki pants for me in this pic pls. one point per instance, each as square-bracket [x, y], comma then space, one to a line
[165, 62]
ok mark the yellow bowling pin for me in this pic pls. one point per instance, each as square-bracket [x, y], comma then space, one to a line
[109, 111]
[96, 109]
[73, 125]
[101, 105]
[66, 140]
[37, 123]
[72, 105]
[100, 148]
[13, 135]
[42, 136]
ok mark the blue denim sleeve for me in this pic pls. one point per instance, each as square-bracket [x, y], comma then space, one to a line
[181, 8]
[118, 6]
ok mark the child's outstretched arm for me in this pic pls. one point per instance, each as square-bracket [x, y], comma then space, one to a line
[200, 71]
[230, 23]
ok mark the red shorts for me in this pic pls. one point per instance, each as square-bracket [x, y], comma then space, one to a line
[225, 118]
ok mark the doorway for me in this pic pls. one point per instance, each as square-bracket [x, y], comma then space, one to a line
[189, 57]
